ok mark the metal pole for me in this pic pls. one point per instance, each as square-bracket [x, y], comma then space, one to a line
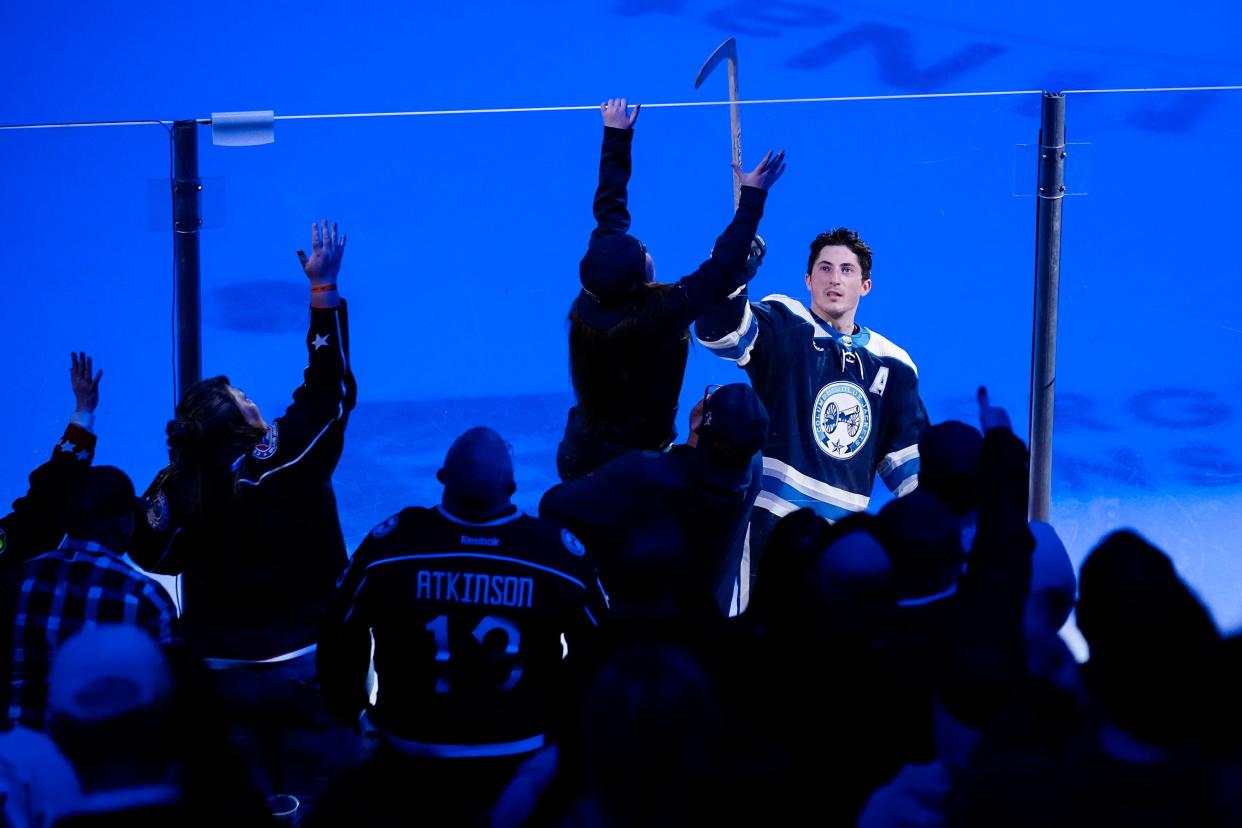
[1047, 289]
[187, 220]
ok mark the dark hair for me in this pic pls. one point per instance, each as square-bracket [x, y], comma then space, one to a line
[207, 434]
[844, 237]
[604, 364]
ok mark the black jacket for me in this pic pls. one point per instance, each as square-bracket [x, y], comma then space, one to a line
[627, 370]
[258, 573]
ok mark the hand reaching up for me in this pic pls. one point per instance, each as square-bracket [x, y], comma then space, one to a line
[615, 113]
[85, 387]
[324, 262]
[770, 169]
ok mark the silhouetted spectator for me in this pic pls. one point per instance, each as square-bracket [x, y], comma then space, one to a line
[84, 582]
[118, 712]
[651, 725]
[1152, 643]
[467, 605]
[629, 335]
[245, 512]
[37, 522]
[708, 486]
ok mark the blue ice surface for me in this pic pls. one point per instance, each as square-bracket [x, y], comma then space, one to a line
[465, 230]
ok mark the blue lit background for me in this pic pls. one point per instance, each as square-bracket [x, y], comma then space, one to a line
[465, 230]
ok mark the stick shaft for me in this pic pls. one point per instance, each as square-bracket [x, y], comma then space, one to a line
[735, 126]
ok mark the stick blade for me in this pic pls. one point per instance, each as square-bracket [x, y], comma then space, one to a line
[726, 50]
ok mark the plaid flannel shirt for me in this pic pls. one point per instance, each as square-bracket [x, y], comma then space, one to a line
[57, 594]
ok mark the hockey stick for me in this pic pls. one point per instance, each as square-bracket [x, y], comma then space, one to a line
[728, 51]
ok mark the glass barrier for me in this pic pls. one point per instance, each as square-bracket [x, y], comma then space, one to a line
[465, 234]
[87, 264]
[1149, 394]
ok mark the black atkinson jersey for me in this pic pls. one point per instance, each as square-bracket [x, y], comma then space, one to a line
[467, 620]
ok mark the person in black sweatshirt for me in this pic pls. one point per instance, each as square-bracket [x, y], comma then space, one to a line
[246, 514]
[629, 335]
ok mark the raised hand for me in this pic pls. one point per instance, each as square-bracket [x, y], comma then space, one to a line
[85, 387]
[770, 169]
[615, 113]
[991, 416]
[327, 248]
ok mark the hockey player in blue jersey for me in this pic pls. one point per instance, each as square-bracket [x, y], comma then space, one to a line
[843, 401]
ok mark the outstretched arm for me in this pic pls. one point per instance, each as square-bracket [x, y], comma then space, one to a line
[324, 264]
[726, 270]
[36, 525]
[611, 214]
[307, 438]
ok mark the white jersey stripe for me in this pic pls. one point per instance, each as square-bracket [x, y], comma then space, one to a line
[897, 458]
[811, 487]
[776, 505]
[906, 486]
[732, 338]
[798, 309]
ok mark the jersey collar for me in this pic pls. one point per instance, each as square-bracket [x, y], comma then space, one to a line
[855, 340]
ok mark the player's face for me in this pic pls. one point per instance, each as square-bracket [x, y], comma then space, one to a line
[248, 407]
[836, 283]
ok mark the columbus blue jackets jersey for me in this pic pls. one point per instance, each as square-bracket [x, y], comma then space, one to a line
[466, 620]
[842, 407]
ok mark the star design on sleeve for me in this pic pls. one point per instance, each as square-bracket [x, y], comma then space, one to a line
[68, 447]
[320, 341]
[84, 455]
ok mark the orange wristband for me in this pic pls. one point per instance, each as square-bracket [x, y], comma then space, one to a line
[322, 288]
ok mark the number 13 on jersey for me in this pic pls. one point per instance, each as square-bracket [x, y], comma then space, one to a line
[494, 644]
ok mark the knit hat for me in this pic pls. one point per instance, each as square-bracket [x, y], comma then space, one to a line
[735, 423]
[100, 493]
[105, 671]
[924, 542]
[612, 267]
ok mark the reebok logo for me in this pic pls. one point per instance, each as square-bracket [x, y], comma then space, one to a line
[468, 541]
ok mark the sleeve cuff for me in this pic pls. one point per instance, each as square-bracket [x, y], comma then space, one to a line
[85, 419]
[753, 197]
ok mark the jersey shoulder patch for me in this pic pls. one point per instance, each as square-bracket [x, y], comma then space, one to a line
[384, 529]
[266, 447]
[571, 543]
[158, 517]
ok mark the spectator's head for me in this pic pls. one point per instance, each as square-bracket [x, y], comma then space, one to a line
[100, 507]
[1151, 640]
[734, 425]
[924, 542]
[614, 267]
[650, 720]
[108, 699]
[478, 476]
[215, 423]
[853, 582]
[949, 464]
[783, 583]
[652, 577]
